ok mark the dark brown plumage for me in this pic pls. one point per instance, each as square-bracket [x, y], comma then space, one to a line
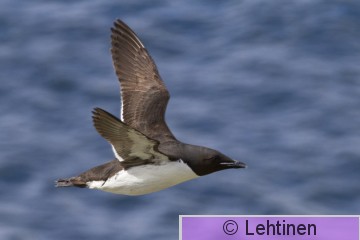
[98, 173]
[144, 95]
[133, 147]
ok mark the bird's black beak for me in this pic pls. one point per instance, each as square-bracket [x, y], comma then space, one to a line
[234, 164]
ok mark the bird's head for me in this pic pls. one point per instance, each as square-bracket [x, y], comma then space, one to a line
[204, 160]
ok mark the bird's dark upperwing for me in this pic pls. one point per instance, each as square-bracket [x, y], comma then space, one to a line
[144, 96]
[130, 147]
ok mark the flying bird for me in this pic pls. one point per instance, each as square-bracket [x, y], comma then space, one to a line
[148, 157]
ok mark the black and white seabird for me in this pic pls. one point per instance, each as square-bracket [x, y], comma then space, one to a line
[148, 156]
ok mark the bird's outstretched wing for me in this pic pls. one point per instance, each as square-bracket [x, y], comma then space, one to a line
[144, 96]
[130, 147]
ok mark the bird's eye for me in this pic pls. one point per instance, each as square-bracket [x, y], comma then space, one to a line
[212, 158]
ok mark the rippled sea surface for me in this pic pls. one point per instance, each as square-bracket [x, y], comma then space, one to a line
[275, 84]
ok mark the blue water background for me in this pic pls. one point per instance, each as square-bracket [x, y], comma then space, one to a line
[275, 84]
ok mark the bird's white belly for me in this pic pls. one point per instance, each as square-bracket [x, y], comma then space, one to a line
[146, 179]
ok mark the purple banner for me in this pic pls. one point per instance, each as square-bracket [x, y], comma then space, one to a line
[269, 227]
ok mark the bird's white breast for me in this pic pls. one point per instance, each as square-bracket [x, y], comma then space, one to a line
[145, 179]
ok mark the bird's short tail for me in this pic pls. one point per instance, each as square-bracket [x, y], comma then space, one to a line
[70, 182]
